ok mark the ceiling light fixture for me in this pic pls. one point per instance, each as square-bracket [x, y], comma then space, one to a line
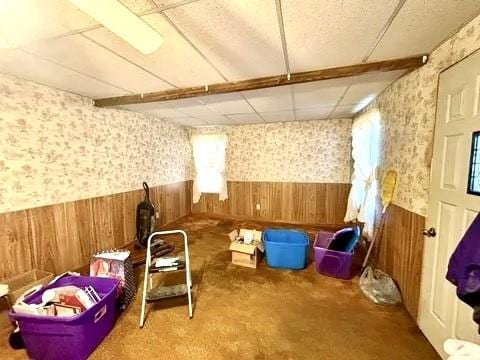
[124, 23]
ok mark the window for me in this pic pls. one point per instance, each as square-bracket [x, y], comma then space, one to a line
[209, 158]
[365, 154]
[474, 173]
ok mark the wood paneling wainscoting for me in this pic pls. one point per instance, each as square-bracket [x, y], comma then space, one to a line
[399, 252]
[306, 203]
[62, 237]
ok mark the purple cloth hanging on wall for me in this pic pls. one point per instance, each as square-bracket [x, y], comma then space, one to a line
[464, 265]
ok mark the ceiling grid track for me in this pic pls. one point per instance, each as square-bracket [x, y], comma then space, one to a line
[378, 39]
[203, 56]
[127, 60]
[153, 4]
[160, 10]
[254, 110]
[76, 55]
[185, 37]
[74, 32]
[172, 6]
[281, 28]
[76, 71]
[196, 49]
[338, 102]
[294, 103]
[384, 29]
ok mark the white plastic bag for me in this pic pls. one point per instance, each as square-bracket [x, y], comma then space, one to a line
[379, 287]
[461, 350]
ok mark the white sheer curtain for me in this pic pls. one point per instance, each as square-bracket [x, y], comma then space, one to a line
[365, 153]
[209, 158]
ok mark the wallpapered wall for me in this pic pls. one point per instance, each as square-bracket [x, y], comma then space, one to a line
[57, 147]
[407, 110]
[305, 151]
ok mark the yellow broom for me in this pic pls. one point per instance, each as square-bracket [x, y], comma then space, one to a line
[388, 187]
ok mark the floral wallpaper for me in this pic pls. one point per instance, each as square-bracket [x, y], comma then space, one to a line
[303, 151]
[57, 147]
[407, 109]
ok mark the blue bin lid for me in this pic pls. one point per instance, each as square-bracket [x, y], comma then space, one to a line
[345, 239]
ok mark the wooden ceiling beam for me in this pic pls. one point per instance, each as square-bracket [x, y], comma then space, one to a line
[409, 63]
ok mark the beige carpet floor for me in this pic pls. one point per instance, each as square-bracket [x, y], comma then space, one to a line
[263, 313]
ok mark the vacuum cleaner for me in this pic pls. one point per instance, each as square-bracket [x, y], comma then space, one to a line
[145, 219]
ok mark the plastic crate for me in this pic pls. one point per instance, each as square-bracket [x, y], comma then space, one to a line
[52, 338]
[285, 249]
[331, 262]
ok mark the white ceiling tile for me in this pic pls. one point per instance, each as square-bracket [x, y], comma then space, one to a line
[319, 93]
[270, 99]
[421, 25]
[165, 113]
[316, 113]
[326, 33]
[168, 3]
[23, 22]
[246, 118]
[190, 112]
[216, 120]
[366, 87]
[200, 111]
[278, 116]
[224, 120]
[232, 103]
[187, 102]
[139, 6]
[189, 121]
[240, 37]
[143, 107]
[343, 111]
[176, 60]
[29, 67]
[158, 109]
[80, 54]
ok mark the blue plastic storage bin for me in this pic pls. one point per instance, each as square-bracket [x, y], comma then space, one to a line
[285, 249]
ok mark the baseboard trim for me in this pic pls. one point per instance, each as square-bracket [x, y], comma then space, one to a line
[301, 203]
[277, 221]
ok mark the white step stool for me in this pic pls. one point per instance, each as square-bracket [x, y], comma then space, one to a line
[151, 294]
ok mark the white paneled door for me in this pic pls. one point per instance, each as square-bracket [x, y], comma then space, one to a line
[451, 208]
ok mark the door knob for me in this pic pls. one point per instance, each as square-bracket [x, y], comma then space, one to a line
[430, 232]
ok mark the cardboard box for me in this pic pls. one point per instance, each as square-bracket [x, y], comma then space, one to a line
[19, 284]
[248, 255]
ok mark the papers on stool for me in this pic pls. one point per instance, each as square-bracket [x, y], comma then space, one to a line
[168, 263]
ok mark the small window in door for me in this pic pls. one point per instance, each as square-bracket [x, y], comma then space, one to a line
[474, 174]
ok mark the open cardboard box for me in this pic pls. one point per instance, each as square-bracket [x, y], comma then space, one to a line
[248, 255]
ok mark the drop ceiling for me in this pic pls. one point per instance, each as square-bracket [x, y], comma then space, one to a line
[211, 41]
